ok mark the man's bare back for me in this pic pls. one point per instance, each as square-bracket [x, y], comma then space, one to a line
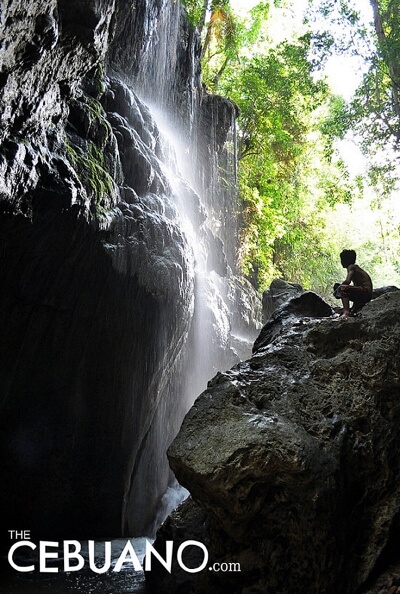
[357, 287]
[359, 277]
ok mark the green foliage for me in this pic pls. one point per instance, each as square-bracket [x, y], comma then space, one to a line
[194, 9]
[288, 177]
[227, 38]
[275, 92]
[88, 155]
[374, 113]
[89, 163]
[291, 178]
[336, 123]
[376, 240]
[221, 43]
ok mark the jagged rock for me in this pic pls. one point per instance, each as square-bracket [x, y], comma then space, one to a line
[383, 290]
[247, 306]
[99, 229]
[187, 517]
[291, 312]
[294, 456]
[278, 293]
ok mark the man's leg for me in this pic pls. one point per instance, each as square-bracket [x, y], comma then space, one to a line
[346, 307]
[358, 305]
[357, 295]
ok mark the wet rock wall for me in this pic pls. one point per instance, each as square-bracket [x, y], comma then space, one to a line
[98, 272]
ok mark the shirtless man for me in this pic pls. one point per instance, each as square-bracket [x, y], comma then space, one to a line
[360, 291]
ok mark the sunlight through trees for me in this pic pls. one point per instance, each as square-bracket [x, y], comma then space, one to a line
[303, 202]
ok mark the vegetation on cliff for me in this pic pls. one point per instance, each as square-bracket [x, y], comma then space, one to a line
[302, 193]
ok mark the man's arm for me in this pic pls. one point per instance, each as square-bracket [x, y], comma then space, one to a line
[350, 272]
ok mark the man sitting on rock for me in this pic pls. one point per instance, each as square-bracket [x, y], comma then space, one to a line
[359, 292]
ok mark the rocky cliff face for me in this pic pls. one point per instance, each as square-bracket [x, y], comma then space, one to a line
[100, 282]
[292, 458]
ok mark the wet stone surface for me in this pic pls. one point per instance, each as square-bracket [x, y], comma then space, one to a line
[293, 454]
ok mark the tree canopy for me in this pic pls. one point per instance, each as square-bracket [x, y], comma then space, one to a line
[293, 180]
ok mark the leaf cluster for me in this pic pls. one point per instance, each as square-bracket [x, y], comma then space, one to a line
[287, 176]
[287, 128]
[374, 113]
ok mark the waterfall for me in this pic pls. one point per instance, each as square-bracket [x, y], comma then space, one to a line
[120, 294]
[194, 138]
[164, 237]
[204, 223]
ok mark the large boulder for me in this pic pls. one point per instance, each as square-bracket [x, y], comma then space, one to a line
[278, 293]
[294, 311]
[293, 454]
[383, 290]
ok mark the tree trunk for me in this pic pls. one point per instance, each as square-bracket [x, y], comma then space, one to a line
[389, 50]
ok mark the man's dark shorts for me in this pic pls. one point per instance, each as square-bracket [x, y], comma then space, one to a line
[355, 294]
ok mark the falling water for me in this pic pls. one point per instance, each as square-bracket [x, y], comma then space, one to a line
[197, 160]
[166, 234]
[210, 348]
[181, 214]
[179, 240]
